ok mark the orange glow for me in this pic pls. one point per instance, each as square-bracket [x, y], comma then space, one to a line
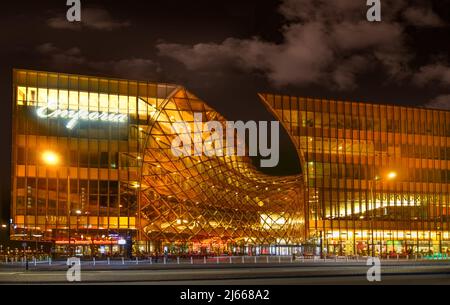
[50, 158]
[392, 175]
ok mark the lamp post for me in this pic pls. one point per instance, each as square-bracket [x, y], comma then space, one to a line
[50, 158]
[69, 208]
[78, 213]
[3, 229]
[391, 175]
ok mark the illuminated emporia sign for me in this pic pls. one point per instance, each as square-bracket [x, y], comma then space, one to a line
[74, 116]
[55, 108]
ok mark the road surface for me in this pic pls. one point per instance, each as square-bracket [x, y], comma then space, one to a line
[406, 272]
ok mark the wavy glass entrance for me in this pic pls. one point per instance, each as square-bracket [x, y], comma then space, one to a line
[220, 203]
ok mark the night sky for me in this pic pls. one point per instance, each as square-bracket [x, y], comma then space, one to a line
[226, 51]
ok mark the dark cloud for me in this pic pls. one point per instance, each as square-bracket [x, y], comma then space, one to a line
[362, 35]
[337, 11]
[440, 102]
[134, 68]
[422, 17]
[344, 75]
[59, 58]
[46, 48]
[436, 73]
[91, 18]
[303, 50]
[324, 42]
[309, 10]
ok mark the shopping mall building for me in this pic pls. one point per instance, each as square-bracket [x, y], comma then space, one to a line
[376, 177]
[93, 172]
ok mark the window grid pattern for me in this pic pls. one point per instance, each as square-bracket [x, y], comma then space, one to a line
[346, 150]
[119, 178]
[219, 200]
[85, 197]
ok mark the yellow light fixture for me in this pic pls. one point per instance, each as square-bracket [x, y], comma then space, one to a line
[392, 175]
[50, 158]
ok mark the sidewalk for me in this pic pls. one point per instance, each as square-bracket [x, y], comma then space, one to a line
[211, 262]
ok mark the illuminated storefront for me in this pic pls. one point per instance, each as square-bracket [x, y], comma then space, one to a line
[376, 177]
[92, 164]
[93, 172]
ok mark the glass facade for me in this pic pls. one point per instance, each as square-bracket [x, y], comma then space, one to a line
[221, 203]
[376, 177]
[93, 172]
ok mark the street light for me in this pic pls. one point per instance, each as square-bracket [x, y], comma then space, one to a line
[1, 246]
[51, 158]
[391, 175]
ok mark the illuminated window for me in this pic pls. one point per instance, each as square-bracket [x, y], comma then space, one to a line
[84, 101]
[73, 99]
[31, 96]
[103, 104]
[63, 101]
[21, 95]
[123, 104]
[113, 103]
[53, 97]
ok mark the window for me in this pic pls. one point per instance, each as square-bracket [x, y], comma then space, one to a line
[104, 162]
[21, 155]
[103, 187]
[93, 187]
[73, 156]
[93, 159]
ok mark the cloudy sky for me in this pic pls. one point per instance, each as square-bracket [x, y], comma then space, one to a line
[225, 52]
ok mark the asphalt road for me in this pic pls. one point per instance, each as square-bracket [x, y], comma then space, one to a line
[425, 272]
